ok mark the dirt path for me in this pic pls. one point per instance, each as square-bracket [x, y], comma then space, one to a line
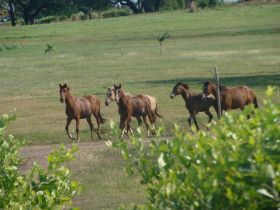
[39, 153]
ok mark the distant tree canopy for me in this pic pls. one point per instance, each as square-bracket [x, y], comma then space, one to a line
[29, 10]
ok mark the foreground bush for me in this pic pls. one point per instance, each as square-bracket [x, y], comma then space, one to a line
[39, 189]
[236, 165]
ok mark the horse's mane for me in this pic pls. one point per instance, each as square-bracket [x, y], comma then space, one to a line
[182, 84]
[185, 85]
[221, 87]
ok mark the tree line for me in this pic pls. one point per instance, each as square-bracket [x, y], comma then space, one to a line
[29, 10]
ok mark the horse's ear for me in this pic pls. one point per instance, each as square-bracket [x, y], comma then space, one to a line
[60, 85]
[120, 86]
[186, 86]
[206, 83]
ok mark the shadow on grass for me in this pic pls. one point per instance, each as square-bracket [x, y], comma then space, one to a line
[257, 81]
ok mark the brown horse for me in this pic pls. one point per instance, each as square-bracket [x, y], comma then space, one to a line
[80, 108]
[132, 106]
[231, 98]
[111, 96]
[193, 102]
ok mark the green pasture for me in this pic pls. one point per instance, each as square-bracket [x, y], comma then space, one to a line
[242, 41]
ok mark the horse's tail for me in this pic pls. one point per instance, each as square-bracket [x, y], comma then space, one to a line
[157, 114]
[102, 120]
[256, 102]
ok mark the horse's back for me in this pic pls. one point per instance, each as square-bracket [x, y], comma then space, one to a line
[89, 102]
[241, 96]
[153, 101]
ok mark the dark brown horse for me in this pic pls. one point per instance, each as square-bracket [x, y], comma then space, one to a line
[193, 102]
[231, 98]
[80, 108]
[132, 106]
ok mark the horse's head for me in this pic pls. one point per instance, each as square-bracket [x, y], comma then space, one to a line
[118, 90]
[63, 90]
[206, 89]
[178, 89]
[110, 96]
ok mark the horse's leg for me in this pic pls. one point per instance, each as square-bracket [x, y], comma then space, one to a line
[210, 116]
[67, 128]
[190, 121]
[77, 128]
[128, 126]
[152, 119]
[147, 124]
[91, 126]
[139, 121]
[122, 124]
[195, 122]
[98, 121]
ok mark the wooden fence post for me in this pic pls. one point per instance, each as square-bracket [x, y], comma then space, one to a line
[218, 93]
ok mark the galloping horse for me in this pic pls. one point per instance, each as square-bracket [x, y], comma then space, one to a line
[231, 98]
[111, 96]
[80, 108]
[193, 102]
[132, 106]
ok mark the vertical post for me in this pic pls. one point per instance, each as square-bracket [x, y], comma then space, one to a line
[278, 94]
[218, 93]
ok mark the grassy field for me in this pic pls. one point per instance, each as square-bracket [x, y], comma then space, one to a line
[242, 41]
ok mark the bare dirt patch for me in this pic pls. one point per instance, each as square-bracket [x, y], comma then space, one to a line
[39, 153]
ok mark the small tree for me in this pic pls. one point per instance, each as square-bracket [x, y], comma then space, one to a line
[161, 39]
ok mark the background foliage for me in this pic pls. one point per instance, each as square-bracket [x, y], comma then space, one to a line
[50, 188]
[233, 166]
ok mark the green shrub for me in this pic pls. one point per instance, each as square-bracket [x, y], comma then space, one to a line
[94, 15]
[48, 19]
[236, 165]
[209, 3]
[84, 17]
[115, 12]
[173, 4]
[63, 17]
[50, 188]
[8, 47]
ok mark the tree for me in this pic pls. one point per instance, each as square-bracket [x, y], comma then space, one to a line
[139, 5]
[12, 12]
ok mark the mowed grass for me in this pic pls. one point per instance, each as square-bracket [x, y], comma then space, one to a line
[242, 41]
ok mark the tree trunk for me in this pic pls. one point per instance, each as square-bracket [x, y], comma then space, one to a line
[157, 4]
[133, 7]
[12, 13]
[25, 16]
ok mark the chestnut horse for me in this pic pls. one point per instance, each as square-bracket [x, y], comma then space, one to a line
[132, 106]
[231, 98]
[80, 108]
[111, 96]
[193, 102]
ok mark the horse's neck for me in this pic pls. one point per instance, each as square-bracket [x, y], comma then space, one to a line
[215, 90]
[70, 101]
[186, 94]
[123, 100]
